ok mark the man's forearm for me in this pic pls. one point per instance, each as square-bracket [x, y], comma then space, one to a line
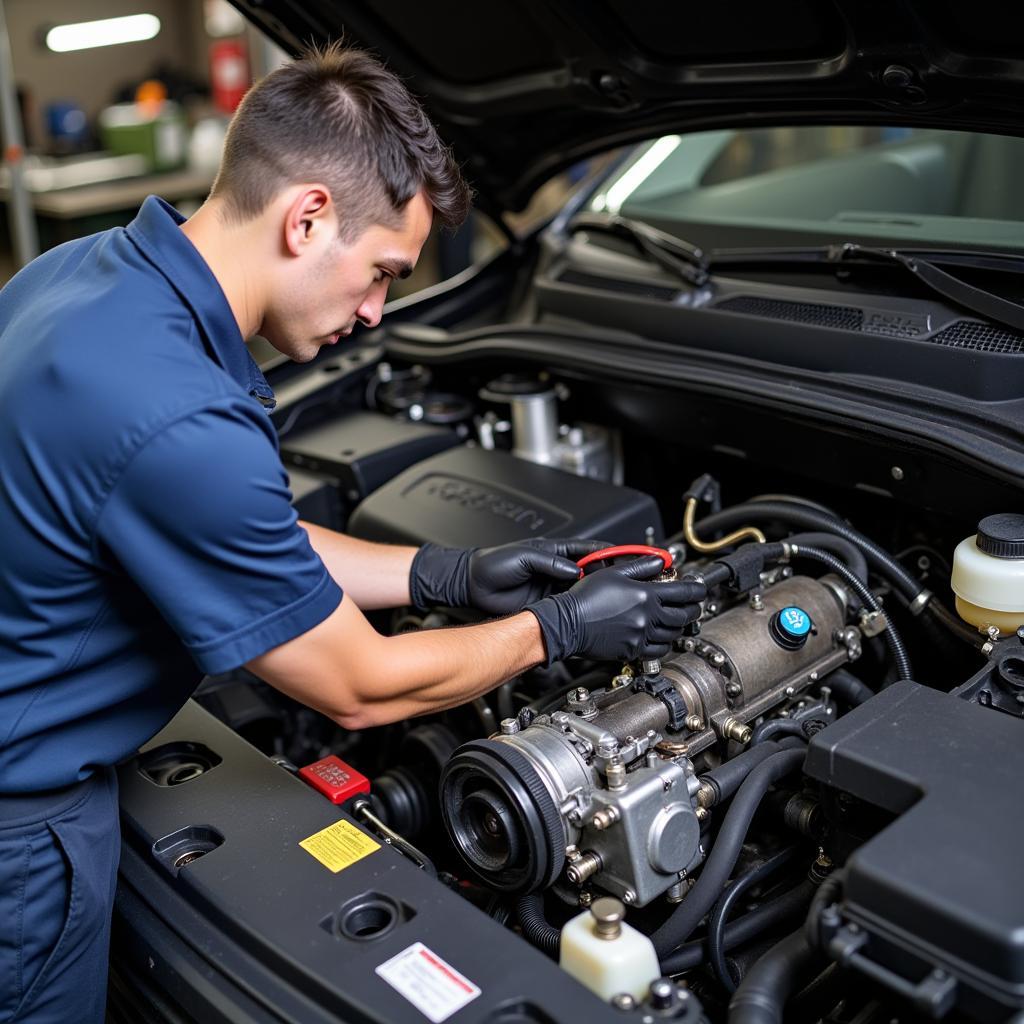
[373, 575]
[347, 670]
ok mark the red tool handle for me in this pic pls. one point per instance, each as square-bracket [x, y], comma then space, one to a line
[625, 549]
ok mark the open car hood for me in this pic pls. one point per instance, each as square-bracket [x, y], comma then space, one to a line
[523, 88]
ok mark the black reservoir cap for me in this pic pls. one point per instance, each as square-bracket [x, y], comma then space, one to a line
[1002, 536]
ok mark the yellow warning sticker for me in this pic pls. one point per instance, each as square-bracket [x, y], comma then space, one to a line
[339, 846]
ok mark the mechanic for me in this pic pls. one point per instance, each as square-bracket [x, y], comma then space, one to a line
[148, 535]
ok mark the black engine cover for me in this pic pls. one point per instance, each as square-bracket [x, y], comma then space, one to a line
[470, 497]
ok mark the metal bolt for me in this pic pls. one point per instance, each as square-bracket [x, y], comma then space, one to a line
[581, 693]
[663, 994]
[897, 473]
[575, 818]
[988, 647]
[689, 643]
[706, 794]
[509, 726]
[789, 691]
[733, 689]
[607, 913]
[813, 677]
[717, 659]
[756, 601]
[702, 814]
[623, 1001]
[733, 730]
[694, 723]
[616, 775]
[992, 632]
[605, 818]
[586, 897]
[629, 896]
[585, 866]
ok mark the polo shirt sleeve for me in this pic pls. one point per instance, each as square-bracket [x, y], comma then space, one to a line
[201, 519]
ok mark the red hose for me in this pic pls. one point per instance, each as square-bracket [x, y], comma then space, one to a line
[626, 549]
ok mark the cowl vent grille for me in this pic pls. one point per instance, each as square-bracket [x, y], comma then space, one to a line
[980, 337]
[843, 317]
[970, 334]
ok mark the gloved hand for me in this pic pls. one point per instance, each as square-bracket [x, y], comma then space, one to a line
[500, 580]
[612, 616]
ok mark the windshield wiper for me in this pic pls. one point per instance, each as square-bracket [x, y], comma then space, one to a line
[676, 255]
[923, 264]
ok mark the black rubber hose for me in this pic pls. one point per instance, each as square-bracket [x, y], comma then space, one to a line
[726, 850]
[729, 899]
[728, 776]
[810, 519]
[773, 729]
[839, 546]
[781, 910]
[892, 636]
[536, 930]
[845, 685]
[761, 997]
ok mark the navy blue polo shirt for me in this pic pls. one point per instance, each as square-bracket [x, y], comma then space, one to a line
[146, 530]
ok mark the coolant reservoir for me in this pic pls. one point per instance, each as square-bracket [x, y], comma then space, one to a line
[988, 574]
[604, 953]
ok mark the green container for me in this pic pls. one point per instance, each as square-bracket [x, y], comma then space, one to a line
[162, 139]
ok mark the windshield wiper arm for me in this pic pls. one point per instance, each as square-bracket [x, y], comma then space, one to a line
[676, 255]
[977, 300]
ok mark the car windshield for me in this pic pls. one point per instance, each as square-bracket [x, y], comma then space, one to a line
[823, 184]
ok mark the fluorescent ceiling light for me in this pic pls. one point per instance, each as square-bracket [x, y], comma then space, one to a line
[640, 172]
[84, 35]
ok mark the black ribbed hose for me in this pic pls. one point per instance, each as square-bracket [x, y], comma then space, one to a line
[839, 546]
[892, 636]
[761, 997]
[726, 850]
[536, 930]
[810, 519]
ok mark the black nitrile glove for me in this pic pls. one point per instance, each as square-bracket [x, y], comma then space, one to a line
[499, 581]
[611, 615]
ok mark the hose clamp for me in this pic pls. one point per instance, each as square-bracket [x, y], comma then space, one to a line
[662, 688]
[920, 602]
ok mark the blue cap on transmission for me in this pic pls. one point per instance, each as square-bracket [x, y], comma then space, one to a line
[790, 627]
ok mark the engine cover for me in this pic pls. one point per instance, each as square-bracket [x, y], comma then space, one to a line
[470, 496]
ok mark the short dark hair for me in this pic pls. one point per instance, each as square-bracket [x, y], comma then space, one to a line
[336, 115]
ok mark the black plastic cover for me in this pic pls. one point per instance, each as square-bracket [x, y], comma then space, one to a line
[940, 885]
[468, 497]
[363, 450]
[248, 926]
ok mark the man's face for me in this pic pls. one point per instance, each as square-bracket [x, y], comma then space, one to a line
[340, 283]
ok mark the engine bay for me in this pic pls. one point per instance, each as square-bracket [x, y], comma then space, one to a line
[746, 828]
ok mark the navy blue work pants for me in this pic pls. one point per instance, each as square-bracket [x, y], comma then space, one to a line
[58, 869]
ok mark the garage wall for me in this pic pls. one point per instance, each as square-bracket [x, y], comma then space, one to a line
[90, 77]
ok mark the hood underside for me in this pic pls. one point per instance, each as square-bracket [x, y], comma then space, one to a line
[523, 88]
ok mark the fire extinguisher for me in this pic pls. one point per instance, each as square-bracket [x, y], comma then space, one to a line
[229, 73]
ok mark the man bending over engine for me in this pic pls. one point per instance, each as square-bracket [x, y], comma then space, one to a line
[148, 535]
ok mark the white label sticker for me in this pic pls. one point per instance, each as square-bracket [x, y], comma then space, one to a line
[435, 988]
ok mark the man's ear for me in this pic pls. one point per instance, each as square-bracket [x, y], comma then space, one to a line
[308, 216]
